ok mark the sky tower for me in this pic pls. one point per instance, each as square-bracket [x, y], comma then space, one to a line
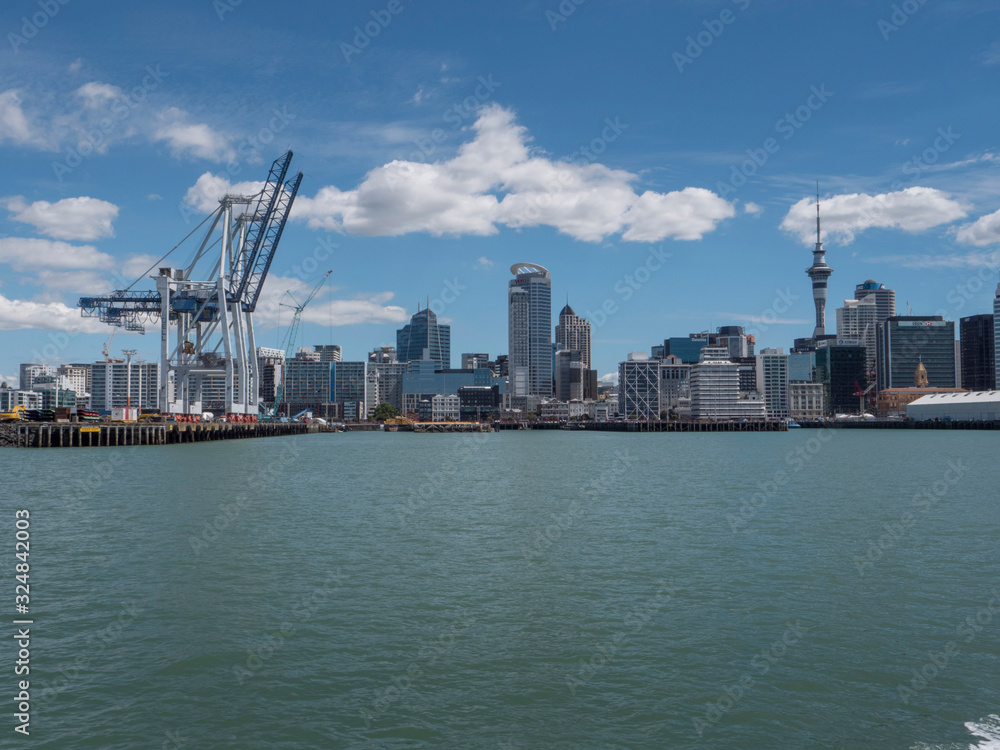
[819, 272]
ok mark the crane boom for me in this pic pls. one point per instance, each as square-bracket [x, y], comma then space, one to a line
[259, 221]
[255, 274]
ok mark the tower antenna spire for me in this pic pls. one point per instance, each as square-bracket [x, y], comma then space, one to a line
[818, 241]
[819, 272]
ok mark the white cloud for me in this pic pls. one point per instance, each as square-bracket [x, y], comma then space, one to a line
[345, 312]
[46, 316]
[15, 125]
[914, 209]
[497, 180]
[367, 308]
[69, 219]
[135, 265]
[78, 282]
[29, 254]
[752, 208]
[204, 195]
[977, 259]
[983, 231]
[186, 138]
[10, 380]
[484, 262]
[96, 95]
[768, 319]
[991, 56]
[610, 379]
[91, 117]
[686, 214]
[66, 119]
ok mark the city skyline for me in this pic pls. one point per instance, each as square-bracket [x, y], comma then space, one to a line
[429, 182]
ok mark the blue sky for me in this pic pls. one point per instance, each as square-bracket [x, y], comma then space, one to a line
[659, 158]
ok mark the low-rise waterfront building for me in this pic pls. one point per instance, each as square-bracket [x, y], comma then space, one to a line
[978, 406]
[424, 379]
[805, 401]
[553, 410]
[478, 402]
[445, 408]
[11, 397]
[894, 402]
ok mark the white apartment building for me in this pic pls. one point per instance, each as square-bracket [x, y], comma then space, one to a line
[715, 389]
[772, 382]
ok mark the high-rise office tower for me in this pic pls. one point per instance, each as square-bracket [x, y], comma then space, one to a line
[569, 375]
[772, 382]
[529, 308]
[904, 341]
[819, 272]
[996, 339]
[424, 338]
[857, 321]
[573, 333]
[978, 351]
[885, 299]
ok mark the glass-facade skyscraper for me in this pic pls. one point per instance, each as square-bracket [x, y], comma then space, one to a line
[978, 353]
[424, 338]
[529, 306]
[905, 341]
[996, 339]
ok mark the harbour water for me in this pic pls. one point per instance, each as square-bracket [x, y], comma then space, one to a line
[809, 589]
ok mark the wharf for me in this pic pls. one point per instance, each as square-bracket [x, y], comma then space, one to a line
[451, 427]
[644, 426]
[658, 426]
[69, 435]
[900, 424]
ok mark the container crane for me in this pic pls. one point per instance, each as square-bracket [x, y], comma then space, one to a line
[198, 317]
[293, 331]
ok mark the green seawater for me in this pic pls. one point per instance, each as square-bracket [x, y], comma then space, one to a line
[835, 589]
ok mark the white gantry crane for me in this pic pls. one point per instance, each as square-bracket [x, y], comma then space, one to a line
[206, 323]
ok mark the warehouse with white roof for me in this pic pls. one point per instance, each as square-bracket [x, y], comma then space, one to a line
[978, 406]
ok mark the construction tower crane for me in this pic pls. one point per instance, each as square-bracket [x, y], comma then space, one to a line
[107, 347]
[293, 332]
[862, 394]
[200, 316]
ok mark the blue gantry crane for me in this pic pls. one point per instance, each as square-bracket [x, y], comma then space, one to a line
[206, 324]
